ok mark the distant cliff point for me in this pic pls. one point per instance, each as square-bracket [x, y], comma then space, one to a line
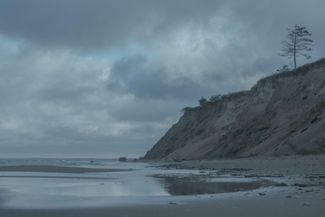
[283, 114]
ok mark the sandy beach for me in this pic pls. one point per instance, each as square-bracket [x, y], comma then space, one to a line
[282, 204]
[300, 191]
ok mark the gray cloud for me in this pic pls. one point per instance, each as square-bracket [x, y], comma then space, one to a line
[114, 23]
[150, 80]
[99, 23]
[109, 77]
[55, 103]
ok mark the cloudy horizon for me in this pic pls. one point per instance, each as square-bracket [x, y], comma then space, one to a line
[108, 78]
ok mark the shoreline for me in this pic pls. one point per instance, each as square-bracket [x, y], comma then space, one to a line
[303, 193]
[286, 165]
[56, 169]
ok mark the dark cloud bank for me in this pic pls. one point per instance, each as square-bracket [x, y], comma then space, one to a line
[107, 78]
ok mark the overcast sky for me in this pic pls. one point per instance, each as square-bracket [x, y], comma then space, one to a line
[107, 78]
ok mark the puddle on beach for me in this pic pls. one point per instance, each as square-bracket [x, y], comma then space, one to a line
[135, 182]
[195, 186]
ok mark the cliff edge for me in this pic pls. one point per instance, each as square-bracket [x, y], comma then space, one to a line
[282, 114]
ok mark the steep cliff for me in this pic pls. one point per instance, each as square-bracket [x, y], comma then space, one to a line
[282, 114]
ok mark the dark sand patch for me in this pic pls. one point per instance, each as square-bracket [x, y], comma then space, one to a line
[196, 186]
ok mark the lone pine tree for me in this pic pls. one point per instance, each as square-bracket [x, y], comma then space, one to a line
[298, 43]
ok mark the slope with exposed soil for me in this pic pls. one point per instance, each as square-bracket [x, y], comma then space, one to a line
[281, 115]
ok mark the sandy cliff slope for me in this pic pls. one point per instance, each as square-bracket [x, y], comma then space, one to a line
[283, 114]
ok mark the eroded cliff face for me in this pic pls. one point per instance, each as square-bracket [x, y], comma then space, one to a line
[282, 114]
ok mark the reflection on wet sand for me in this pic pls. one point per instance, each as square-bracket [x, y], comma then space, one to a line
[194, 186]
[58, 184]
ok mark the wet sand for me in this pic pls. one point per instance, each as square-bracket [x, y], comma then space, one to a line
[262, 166]
[193, 185]
[307, 204]
[302, 193]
